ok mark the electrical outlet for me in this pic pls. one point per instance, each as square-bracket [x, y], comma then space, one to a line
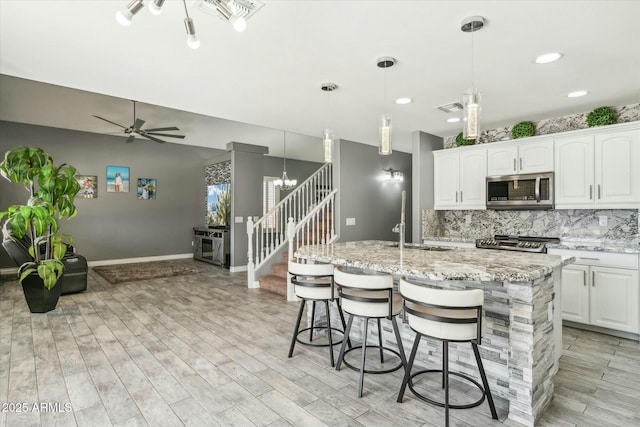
[351, 221]
[550, 312]
[602, 220]
[467, 219]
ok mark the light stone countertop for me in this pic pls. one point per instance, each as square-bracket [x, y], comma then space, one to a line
[452, 264]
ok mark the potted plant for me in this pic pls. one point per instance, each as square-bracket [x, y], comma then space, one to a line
[522, 130]
[51, 190]
[601, 116]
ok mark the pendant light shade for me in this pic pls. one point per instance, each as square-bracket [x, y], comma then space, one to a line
[125, 16]
[471, 98]
[385, 142]
[471, 114]
[327, 146]
[384, 148]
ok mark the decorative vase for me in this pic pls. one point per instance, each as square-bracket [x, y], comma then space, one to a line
[40, 299]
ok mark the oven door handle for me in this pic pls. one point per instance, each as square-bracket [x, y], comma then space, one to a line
[538, 189]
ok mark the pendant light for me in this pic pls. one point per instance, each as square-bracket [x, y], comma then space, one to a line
[285, 183]
[327, 137]
[471, 99]
[125, 16]
[384, 147]
[192, 39]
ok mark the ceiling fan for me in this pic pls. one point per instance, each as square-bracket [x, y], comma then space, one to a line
[135, 128]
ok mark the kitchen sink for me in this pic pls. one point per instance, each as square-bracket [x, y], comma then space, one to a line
[421, 247]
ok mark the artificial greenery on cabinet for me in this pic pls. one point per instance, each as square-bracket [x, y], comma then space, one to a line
[601, 116]
[460, 140]
[522, 130]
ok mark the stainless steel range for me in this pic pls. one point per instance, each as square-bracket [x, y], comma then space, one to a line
[517, 243]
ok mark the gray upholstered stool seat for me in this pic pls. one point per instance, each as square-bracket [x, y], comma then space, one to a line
[313, 283]
[368, 296]
[449, 316]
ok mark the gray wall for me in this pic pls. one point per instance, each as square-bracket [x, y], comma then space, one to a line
[365, 196]
[118, 225]
[423, 145]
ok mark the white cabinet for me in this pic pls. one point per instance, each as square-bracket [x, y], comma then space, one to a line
[459, 178]
[508, 158]
[599, 170]
[601, 289]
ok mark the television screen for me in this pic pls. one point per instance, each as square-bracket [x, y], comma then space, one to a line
[219, 204]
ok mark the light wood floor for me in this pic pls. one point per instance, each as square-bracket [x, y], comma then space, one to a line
[203, 350]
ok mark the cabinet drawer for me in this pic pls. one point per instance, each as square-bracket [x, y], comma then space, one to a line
[600, 259]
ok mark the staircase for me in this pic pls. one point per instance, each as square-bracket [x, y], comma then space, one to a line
[307, 213]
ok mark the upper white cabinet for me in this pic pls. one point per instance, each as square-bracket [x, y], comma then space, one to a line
[516, 157]
[599, 170]
[459, 178]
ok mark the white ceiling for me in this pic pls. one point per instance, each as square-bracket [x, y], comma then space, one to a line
[270, 75]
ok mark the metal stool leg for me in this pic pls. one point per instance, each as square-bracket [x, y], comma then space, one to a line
[313, 319]
[444, 348]
[295, 332]
[364, 354]
[485, 383]
[380, 341]
[344, 342]
[344, 326]
[445, 369]
[326, 304]
[403, 357]
[409, 365]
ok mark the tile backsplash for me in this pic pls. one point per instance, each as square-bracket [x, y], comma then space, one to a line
[622, 224]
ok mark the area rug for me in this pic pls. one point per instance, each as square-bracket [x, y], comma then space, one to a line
[147, 270]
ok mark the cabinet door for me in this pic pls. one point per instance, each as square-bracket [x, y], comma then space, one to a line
[617, 169]
[535, 156]
[473, 174]
[445, 179]
[575, 293]
[502, 159]
[614, 298]
[574, 172]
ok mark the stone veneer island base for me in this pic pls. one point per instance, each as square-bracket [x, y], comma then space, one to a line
[522, 342]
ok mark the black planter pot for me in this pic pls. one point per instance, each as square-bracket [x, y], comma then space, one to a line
[39, 298]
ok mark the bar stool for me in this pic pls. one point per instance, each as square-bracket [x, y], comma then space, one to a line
[369, 296]
[314, 282]
[449, 316]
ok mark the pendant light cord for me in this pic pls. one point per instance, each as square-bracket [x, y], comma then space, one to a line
[385, 90]
[473, 30]
[184, 3]
[284, 169]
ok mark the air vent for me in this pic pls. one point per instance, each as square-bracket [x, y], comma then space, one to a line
[452, 107]
[242, 8]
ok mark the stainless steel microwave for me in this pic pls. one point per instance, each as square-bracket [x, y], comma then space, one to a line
[525, 191]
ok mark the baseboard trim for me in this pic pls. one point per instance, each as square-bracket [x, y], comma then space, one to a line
[139, 259]
[238, 268]
[592, 328]
[9, 271]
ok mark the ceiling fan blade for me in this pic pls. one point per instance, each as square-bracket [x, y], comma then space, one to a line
[130, 139]
[163, 134]
[153, 138]
[161, 129]
[138, 124]
[109, 121]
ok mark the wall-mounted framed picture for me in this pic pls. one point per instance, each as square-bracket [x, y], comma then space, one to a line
[147, 188]
[117, 179]
[88, 186]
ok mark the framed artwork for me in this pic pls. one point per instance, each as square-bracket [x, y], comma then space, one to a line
[88, 187]
[117, 179]
[147, 188]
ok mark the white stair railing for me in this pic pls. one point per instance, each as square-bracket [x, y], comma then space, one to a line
[268, 234]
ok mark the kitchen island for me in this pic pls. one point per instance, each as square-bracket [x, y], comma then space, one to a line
[522, 342]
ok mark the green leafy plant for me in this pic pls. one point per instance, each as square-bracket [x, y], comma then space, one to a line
[523, 129]
[223, 208]
[463, 141]
[52, 190]
[601, 116]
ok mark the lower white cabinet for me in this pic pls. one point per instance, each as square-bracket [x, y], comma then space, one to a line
[601, 289]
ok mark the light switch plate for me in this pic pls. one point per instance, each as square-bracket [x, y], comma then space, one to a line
[351, 221]
[238, 220]
[603, 220]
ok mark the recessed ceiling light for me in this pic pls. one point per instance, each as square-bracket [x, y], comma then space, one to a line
[403, 101]
[548, 57]
[577, 93]
[453, 120]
